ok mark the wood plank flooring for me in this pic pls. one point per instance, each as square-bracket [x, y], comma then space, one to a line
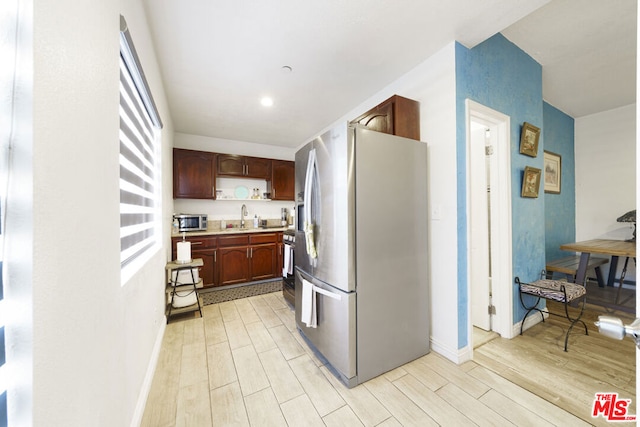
[244, 363]
[537, 362]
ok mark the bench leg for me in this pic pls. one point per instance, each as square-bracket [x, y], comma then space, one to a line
[613, 269]
[599, 277]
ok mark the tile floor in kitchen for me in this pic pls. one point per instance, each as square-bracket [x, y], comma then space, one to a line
[244, 363]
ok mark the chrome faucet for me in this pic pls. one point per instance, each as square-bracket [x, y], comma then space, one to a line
[243, 213]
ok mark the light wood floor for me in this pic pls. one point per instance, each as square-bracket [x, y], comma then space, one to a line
[244, 363]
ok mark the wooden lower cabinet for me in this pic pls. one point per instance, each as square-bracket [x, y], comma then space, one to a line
[208, 270]
[237, 258]
[262, 261]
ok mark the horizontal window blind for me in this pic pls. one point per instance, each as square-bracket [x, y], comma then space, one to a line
[139, 158]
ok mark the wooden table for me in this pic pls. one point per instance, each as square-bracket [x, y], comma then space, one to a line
[612, 248]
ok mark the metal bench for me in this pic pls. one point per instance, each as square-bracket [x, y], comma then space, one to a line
[555, 290]
[569, 266]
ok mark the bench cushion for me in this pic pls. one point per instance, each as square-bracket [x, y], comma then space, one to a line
[552, 289]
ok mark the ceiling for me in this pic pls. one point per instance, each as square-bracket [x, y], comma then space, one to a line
[219, 58]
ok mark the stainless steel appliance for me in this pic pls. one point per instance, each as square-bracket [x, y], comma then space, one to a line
[361, 254]
[191, 222]
[288, 281]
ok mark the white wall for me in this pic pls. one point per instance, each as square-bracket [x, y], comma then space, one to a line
[228, 209]
[605, 153]
[93, 339]
[16, 21]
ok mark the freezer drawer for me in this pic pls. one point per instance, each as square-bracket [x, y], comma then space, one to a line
[335, 335]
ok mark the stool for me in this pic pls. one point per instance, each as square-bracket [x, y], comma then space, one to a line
[570, 264]
[556, 290]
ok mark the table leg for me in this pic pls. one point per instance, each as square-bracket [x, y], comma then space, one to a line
[581, 274]
[613, 269]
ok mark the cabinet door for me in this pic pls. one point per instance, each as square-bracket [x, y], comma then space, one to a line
[208, 270]
[397, 116]
[379, 119]
[263, 261]
[193, 174]
[283, 175]
[233, 265]
[257, 167]
[231, 165]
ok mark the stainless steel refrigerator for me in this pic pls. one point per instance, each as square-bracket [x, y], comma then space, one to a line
[361, 251]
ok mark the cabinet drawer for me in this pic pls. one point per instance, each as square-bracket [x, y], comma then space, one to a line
[202, 242]
[236, 240]
[257, 239]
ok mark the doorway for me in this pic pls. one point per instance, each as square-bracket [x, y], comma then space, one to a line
[489, 279]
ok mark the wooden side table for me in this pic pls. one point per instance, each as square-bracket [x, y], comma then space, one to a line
[173, 286]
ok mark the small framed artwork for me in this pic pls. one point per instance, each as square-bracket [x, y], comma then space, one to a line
[529, 140]
[531, 182]
[552, 172]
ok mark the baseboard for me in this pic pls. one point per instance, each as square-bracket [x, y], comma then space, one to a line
[136, 420]
[453, 354]
[532, 320]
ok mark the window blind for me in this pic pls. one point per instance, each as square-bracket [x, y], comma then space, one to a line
[139, 157]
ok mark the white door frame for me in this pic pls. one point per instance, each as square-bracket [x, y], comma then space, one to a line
[502, 280]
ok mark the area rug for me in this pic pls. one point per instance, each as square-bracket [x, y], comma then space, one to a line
[215, 296]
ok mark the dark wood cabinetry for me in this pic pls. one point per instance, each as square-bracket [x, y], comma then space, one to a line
[193, 174]
[236, 258]
[206, 248]
[397, 116]
[243, 166]
[263, 256]
[283, 174]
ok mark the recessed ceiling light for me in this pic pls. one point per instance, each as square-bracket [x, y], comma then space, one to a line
[266, 101]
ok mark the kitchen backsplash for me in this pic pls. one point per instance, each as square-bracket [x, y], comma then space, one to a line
[230, 209]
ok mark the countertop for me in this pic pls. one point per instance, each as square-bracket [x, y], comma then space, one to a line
[235, 230]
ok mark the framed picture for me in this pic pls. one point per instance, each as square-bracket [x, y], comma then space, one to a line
[531, 182]
[529, 140]
[552, 172]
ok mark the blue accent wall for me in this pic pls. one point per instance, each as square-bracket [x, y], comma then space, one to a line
[560, 209]
[499, 75]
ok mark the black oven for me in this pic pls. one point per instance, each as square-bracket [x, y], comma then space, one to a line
[288, 281]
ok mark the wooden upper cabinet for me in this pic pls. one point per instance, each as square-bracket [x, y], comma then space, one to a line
[232, 165]
[193, 174]
[283, 180]
[243, 166]
[397, 116]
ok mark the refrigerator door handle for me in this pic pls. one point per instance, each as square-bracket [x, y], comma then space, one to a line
[308, 221]
[320, 290]
[327, 293]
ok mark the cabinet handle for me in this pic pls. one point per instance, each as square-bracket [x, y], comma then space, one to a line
[251, 252]
[196, 243]
[247, 172]
[247, 252]
[274, 193]
[215, 256]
